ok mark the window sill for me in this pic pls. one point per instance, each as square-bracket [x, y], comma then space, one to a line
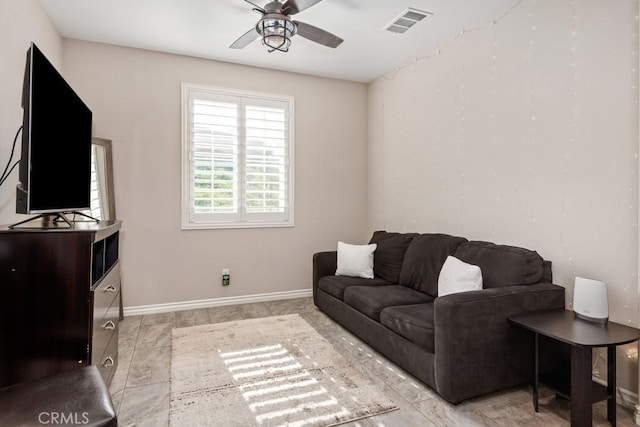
[236, 225]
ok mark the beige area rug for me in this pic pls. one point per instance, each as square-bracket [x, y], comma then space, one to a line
[273, 371]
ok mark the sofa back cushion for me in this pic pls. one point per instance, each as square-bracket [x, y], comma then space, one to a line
[387, 259]
[502, 265]
[424, 259]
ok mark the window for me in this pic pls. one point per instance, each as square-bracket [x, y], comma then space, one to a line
[237, 159]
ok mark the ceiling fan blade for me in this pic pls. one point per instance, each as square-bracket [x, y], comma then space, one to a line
[257, 7]
[318, 35]
[291, 7]
[245, 39]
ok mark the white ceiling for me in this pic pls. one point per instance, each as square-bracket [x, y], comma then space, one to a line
[206, 28]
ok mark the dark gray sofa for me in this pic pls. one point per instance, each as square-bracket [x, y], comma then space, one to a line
[462, 344]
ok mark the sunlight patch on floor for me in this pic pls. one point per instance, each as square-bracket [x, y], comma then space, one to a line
[277, 393]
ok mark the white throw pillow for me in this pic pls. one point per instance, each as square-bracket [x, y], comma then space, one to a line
[355, 260]
[458, 276]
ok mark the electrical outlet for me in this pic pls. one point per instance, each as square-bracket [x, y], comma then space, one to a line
[226, 277]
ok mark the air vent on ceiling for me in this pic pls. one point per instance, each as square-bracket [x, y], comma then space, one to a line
[406, 20]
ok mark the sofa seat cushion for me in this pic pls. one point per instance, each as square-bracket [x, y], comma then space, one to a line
[424, 259]
[502, 265]
[371, 300]
[413, 322]
[335, 285]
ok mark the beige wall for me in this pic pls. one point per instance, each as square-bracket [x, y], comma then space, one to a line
[523, 133]
[21, 22]
[135, 98]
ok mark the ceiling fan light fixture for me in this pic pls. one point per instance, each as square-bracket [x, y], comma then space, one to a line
[276, 31]
[276, 28]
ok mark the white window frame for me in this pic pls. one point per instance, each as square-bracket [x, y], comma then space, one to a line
[241, 219]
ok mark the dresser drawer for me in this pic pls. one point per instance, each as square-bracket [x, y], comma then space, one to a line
[105, 292]
[104, 329]
[108, 363]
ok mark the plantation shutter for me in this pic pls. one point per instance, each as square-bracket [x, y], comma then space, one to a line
[238, 159]
[214, 157]
[266, 160]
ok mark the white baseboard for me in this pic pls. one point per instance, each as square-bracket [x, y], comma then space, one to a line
[215, 302]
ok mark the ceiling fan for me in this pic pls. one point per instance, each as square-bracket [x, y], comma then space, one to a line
[276, 27]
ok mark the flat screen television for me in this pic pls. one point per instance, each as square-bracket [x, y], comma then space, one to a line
[55, 167]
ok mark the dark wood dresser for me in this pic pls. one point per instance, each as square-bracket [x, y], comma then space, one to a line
[59, 300]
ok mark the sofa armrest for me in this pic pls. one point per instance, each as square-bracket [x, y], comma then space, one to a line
[324, 264]
[477, 350]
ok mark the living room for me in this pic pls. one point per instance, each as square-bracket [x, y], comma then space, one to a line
[520, 127]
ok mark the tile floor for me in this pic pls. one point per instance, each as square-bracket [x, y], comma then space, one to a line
[140, 386]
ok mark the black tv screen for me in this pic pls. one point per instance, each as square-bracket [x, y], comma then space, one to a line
[55, 167]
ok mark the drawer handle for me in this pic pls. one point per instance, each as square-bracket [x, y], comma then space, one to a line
[110, 288]
[109, 325]
[108, 362]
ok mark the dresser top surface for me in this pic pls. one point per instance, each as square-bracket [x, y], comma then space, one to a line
[108, 226]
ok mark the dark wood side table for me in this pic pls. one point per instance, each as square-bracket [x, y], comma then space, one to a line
[582, 336]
